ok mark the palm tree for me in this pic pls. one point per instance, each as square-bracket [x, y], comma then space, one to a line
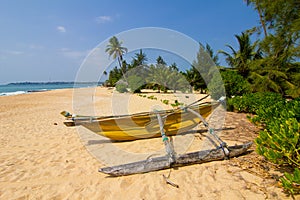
[195, 79]
[242, 58]
[139, 59]
[160, 61]
[165, 78]
[157, 76]
[115, 49]
[265, 76]
[211, 53]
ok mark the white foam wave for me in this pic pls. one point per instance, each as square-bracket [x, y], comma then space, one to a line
[12, 93]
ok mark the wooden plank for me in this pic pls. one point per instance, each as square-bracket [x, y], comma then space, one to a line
[164, 162]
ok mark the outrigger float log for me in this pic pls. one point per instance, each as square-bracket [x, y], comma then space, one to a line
[155, 124]
[166, 162]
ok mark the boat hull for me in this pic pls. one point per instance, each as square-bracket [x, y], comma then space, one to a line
[145, 125]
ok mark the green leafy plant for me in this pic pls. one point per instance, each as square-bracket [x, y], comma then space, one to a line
[251, 103]
[279, 139]
[152, 97]
[121, 87]
[279, 142]
[165, 101]
[291, 182]
[176, 104]
[135, 83]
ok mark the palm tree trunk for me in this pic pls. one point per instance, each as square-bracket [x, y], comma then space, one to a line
[120, 64]
[263, 24]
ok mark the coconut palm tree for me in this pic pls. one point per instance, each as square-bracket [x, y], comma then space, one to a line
[265, 76]
[139, 59]
[115, 49]
[160, 61]
[240, 59]
[167, 77]
[211, 53]
[195, 79]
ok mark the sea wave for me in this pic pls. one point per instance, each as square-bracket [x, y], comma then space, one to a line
[21, 92]
[12, 93]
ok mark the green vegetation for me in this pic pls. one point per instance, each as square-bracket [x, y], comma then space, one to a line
[115, 50]
[272, 65]
[254, 102]
[152, 97]
[121, 87]
[176, 104]
[279, 142]
[165, 101]
[138, 75]
[279, 139]
[135, 83]
[291, 182]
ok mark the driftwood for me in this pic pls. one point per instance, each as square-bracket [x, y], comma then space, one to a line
[164, 162]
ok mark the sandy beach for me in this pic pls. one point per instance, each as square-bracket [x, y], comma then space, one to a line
[41, 158]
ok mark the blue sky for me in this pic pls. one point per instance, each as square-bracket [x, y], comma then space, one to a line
[48, 40]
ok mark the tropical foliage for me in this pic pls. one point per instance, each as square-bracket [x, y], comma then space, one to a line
[279, 138]
[234, 83]
[241, 59]
[138, 75]
[167, 78]
[252, 102]
[271, 63]
[279, 142]
[203, 69]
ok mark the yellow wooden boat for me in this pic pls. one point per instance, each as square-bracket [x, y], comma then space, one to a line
[142, 125]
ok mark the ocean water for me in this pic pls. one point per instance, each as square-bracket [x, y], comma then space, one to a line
[23, 88]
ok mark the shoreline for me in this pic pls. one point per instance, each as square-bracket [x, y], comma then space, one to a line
[12, 89]
[40, 158]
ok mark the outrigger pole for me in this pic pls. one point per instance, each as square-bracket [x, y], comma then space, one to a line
[223, 144]
[169, 148]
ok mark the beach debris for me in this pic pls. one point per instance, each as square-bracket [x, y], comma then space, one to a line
[170, 182]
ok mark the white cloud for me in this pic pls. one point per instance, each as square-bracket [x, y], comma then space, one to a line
[61, 29]
[103, 19]
[36, 46]
[5, 54]
[73, 54]
[16, 52]
[13, 52]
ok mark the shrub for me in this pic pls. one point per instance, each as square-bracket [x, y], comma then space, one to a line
[279, 142]
[250, 103]
[291, 182]
[152, 97]
[121, 87]
[135, 83]
[165, 101]
[234, 84]
[176, 104]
